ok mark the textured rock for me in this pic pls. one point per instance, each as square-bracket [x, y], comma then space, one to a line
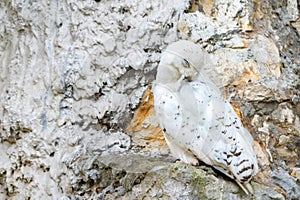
[164, 180]
[75, 94]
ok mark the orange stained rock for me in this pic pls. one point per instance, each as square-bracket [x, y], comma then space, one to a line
[194, 6]
[245, 42]
[144, 110]
[156, 136]
[183, 28]
[237, 109]
[248, 76]
[207, 6]
[258, 14]
[246, 27]
[151, 132]
[250, 71]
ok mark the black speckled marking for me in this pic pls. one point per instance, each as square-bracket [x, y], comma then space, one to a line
[241, 162]
[227, 162]
[237, 153]
[243, 170]
[246, 178]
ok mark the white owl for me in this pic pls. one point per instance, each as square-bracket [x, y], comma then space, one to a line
[198, 124]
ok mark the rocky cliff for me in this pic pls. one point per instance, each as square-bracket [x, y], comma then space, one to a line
[76, 108]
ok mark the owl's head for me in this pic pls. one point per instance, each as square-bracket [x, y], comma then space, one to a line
[181, 58]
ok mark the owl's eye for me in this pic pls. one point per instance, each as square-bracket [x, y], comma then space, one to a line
[185, 63]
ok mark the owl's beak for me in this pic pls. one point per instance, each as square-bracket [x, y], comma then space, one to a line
[189, 78]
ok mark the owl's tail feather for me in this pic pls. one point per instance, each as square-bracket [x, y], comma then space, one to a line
[246, 187]
[249, 187]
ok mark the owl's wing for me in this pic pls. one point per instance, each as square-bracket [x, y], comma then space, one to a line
[191, 117]
[204, 107]
[220, 139]
[203, 113]
[196, 119]
[168, 109]
[169, 114]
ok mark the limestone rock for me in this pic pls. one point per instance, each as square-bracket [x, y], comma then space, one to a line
[75, 88]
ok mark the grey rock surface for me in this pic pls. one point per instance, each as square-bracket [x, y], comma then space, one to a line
[76, 114]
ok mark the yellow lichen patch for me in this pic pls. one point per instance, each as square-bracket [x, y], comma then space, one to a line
[144, 128]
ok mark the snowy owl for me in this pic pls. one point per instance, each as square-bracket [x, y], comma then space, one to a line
[198, 124]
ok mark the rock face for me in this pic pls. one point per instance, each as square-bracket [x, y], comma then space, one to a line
[76, 109]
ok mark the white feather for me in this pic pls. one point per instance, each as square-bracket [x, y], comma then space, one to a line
[197, 122]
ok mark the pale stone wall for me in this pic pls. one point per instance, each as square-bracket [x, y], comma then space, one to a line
[76, 114]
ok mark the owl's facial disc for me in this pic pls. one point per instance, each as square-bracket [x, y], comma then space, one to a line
[189, 71]
[186, 69]
[182, 65]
